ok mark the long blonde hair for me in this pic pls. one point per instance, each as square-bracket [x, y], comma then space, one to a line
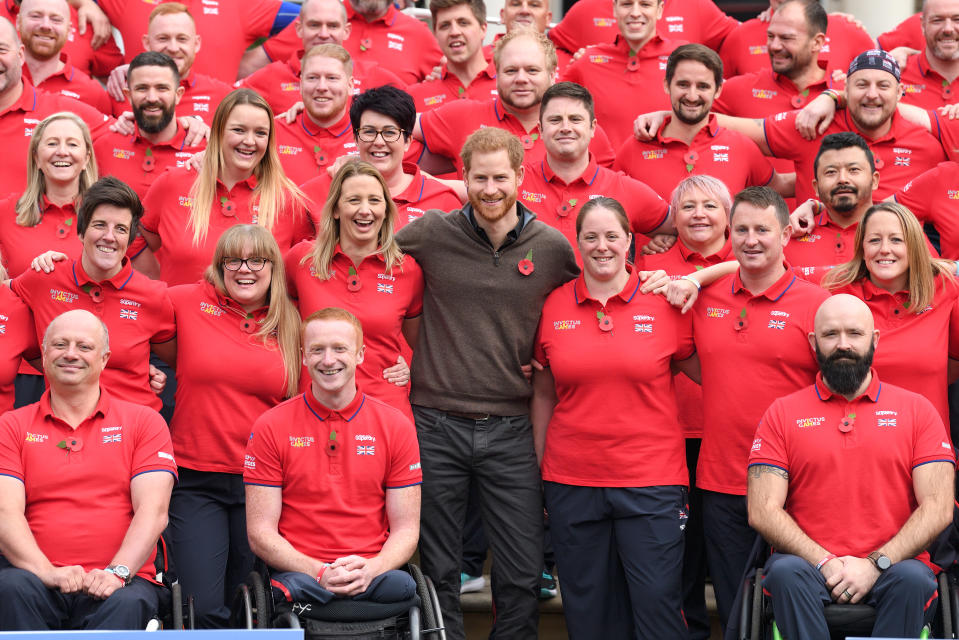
[329, 234]
[273, 192]
[28, 209]
[282, 317]
[923, 268]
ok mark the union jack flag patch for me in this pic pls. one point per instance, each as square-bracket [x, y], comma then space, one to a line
[114, 438]
[128, 314]
[384, 288]
[777, 324]
[885, 422]
[362, 450]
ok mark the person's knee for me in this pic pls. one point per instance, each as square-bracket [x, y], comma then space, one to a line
[392, 586]
[127, 608]
[19, 585]
[785, 572]
[912, 576]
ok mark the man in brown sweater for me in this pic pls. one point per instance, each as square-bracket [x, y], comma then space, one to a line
[488, 268]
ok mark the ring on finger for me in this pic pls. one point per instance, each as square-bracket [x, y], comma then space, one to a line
[847, 594]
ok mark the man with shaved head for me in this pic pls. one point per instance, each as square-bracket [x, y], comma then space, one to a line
[850, 479]
[81, 502]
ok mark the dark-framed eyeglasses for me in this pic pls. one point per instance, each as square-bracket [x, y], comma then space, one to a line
[253, 264]
[389, 134]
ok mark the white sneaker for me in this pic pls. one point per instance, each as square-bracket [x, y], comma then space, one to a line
[469, 584]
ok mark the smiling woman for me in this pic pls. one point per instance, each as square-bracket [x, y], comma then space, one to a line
[60, 168]
[241, 180]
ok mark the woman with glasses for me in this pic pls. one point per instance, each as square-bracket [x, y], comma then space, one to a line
[237, 356]
[355, 264]
[240, 181]
[382, 121]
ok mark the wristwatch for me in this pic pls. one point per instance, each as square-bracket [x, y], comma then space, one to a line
[881, 561]
[121, 571]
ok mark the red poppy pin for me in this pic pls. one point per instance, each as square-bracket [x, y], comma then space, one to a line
[366, 44]
[461, 92]
[879, 163]
[63, 228]
[565, 208]
[741, 322]
[847, 423]
[526, 266]
[528, 140]
[149, 162]
[72, 444]
[633, 64]
[799, 99]
[353, 280]
[605, 321]
[319, 156]
[93, 291]
[332, 446]
[840, 243]
[227, 207]
[690, 159]
[248, 324]
[946, 89]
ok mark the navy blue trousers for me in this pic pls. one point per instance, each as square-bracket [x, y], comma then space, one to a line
[799, 593]
[619, 554]
[388, 587]
[729, 540]
[27, 605]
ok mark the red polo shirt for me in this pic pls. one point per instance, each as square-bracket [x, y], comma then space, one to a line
[73, 83]
[591, 22]
[279, 82]
[446, 128]
[396, 41]
[334, 502]
[677, 262]
[614, 424]
[227, 29]
[813, 254]
[138, 162]
[430, 94]
[307, 150]
[136, 310]
[835, 476]
[93, 62]
[423, 193]
[907, 33]
[744, 49]
[16, 127]
[901, 154]
[57, 231]
[557, 203]
[217, 398]
[78, 503]
[721, 153]
[17, 339]
[747, 366]
[167, 213]
[201, 96]
[934, 333]
[932, 197]
[924, 87]
[383, 301]
[617, 77]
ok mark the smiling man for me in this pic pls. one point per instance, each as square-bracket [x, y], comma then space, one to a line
[72, 564]
[931, 79]
[136, 309]
[556, 187]
[333, 479]
[321, 132]
[488, 268]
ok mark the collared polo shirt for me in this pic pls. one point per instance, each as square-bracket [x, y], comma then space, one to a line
[429, 94]
[139, 162]
[932, 196]
[56, 231]
[73, 83]
[17, 338]
[202, 94]
[307, 150]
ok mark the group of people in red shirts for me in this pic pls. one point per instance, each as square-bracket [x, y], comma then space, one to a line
[573, 268]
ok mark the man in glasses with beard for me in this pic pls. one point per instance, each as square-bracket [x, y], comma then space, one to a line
[850, 479]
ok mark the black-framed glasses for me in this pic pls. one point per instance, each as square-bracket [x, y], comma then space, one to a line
[389, 134]
[253, 264]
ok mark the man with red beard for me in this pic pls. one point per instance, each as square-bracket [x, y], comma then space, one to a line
[488, 269]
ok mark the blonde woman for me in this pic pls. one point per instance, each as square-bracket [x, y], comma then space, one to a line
[355, 264]
[60, 168]
[237, 356]
[240, 181]
[913, 299]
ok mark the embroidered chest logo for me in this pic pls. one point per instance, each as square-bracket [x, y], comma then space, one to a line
[112, 435]
[211, 309]
[129, 314]
[805, 423]
[63, 296]
[654, 154]
[36, 438]
[643, 323]
[764, 94]
[716, 312]
[886, 418]
[299, 442]
[565, 325]
[529, 196]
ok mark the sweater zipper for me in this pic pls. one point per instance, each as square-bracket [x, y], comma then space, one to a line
[496, 255]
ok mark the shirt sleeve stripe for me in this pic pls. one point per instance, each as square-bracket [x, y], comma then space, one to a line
[403, 486]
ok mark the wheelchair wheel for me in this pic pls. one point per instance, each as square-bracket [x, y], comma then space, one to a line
[428, 608]
[190, 613]
[756, 623]
[262, 605]
[176, 594]
[242, 615]
[288, 620]
[946, 604]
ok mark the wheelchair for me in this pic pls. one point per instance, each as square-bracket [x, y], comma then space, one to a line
[176, 612]
[844, 620]
[418, 617]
